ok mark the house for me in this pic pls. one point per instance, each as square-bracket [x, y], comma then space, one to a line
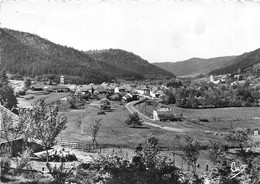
[85, 89]
[163, 112]
[119, 89]
[127, 98]
[101, 89]
[143, 90]
[17, 143]
[156, 93]
[58, 89]
[37, 87]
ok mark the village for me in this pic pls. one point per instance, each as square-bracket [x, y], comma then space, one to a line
[111, 103]
[129, 92]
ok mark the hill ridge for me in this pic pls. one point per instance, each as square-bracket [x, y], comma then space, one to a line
[28, 54]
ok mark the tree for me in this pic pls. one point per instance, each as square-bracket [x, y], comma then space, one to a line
[94, 128]
[104, 104]
[215, 152]
[191, 152]
[134, 120]
[7, 129]
[43, 123]
[147, 166]
[7, 97]
[239, 138]
[27, 83]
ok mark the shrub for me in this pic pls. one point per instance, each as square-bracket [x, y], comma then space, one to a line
[134, 120]
[29, 97]
[5, 164]
[23, 161]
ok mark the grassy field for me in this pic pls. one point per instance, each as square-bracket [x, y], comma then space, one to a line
[114, 131]
[221, 119]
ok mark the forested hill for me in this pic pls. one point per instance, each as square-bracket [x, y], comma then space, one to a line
[128, 61]
[247, 61]
[195, 66]
[27, 54]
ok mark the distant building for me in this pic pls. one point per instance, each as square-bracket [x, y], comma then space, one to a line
[163, 113]
[58, 89]
[256, 132]
[61, 80]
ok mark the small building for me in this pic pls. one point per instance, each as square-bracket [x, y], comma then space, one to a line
[143, 90]
[127, 98]
[37, 88]
[256, 132]
[101, 89]
[61, 79]
[58, 89]
[163, 113]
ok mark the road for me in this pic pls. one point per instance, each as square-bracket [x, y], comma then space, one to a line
[148, 121]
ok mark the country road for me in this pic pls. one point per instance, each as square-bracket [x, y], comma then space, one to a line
[148, 121]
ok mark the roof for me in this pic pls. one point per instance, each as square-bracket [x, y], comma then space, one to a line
[100, 88]
[161, 107]
[142, 87]
[85, 88]
[10, 114]
[58, 87]
[37, 86]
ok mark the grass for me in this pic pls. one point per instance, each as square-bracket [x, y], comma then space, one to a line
[220, 119]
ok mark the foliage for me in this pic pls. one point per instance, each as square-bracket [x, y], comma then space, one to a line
[79, 67]
[146, 167]
[5, 164]
[60, 173]
[116, 97]
[215, 152]
[134, 120]
[208, 95]
[170, 97]
[42, 122]
[104, 104]
[191, 152]
[174, 84]
[242, 63]
[94, 129]
[76, 101]
[23, 161]
[7, 97]
[27, 83]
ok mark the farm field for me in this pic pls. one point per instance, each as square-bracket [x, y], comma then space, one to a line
[220, 119]
[115, 132]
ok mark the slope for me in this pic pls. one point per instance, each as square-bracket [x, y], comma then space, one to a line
[128, 61]
[245, 62]
[195, 66]
[27, 54]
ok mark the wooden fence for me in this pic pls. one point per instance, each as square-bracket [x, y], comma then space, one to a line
[88, 147]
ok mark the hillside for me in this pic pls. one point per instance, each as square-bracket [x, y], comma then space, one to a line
[128, 61]
[195, 66]
[246, 62]
[26, 54]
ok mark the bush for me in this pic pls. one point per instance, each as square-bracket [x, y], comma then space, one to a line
[22, 92]
[146, 167]
[23, 161]
[134, 120]
[116, 97]
[29, 97]
[5, 165]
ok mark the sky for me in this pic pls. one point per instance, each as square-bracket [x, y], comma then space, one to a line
[158, 31]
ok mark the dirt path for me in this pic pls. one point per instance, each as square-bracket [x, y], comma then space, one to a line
[148, 121]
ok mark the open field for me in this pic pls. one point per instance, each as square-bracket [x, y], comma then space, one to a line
[33, 98]
[220, 119]
[115, 132]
